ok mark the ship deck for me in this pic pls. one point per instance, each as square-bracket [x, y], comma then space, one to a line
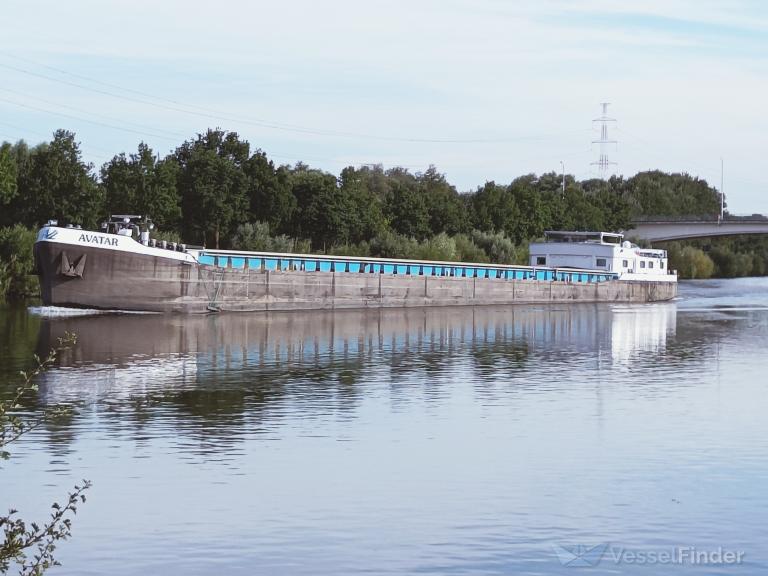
[274, 261]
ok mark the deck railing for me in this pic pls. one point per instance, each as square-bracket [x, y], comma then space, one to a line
[360, 265]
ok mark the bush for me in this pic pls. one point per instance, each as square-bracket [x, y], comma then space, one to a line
[468, 251]
[17, 263]
[730, 264]
[499, 248]
[441, 247]
[390, 244]
[691, 262]
[255, 237]
[758, 265]
[359, 249]
[168, 236]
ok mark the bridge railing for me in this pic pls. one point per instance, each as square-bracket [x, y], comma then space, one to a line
[699, 218]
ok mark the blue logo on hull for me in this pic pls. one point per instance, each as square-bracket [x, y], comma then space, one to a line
[50, 234]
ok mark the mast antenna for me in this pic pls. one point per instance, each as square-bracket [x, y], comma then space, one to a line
[603, 163]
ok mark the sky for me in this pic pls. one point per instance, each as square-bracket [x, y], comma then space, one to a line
[483, 89]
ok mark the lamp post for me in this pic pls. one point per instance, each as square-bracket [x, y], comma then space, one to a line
[722, 192]
[562, 171]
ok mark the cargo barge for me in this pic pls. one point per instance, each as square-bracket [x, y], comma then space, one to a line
[122, 268]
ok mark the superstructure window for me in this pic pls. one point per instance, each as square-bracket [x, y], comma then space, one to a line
[625, 263]
[642, 263]
[661, 264]
[541, 260]
[650, 264]
[601, 262]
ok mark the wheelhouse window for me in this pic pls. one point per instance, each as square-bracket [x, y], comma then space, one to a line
[601, 262]
[541, 260]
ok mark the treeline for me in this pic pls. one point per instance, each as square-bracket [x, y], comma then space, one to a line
[214, 190]
[214, 183]
[720, 257]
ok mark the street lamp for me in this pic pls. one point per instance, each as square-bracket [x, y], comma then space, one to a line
[562, 171]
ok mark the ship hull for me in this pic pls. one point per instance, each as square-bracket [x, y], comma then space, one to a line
[95, 277]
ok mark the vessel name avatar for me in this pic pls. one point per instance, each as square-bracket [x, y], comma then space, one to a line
[93, 239]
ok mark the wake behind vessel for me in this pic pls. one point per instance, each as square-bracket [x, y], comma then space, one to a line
[123, 268]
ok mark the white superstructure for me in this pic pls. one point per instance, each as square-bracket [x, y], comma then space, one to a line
[604, 251]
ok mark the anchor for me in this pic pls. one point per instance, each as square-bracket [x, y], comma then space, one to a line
[72, 269]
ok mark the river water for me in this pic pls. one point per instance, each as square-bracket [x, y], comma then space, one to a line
[488, 440]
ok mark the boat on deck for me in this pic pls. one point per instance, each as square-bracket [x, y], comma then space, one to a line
[121, 267]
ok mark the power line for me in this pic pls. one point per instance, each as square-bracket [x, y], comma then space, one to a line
[80, 110]
[214, 115]
[95, 122]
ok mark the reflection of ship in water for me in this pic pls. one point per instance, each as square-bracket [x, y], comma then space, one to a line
[121, 356]
[641, 330]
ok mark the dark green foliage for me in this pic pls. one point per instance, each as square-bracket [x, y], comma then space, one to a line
[495, 209]
[406, 209]
[8, 175]
[17, 263]
[213, 185]
[445, 207]
[325, 213]
[535, 215]
[53, 182]
[269, 192]
[730, 264]
[143, 184]
[366, 215]
[167, 235]
[656, 193]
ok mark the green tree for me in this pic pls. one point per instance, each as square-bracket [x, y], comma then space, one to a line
[611, 198]
[142, 183]
[366, 217]
[535, 215]
[269, 192]
[213, 184]
[444, 205]
[494, 209]
[8, 174]
[55, 183]
[406, 210]
[332, 212]
[17, 264]
[655, 193]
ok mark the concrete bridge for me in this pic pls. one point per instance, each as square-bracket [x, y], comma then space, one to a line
[660, 230]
